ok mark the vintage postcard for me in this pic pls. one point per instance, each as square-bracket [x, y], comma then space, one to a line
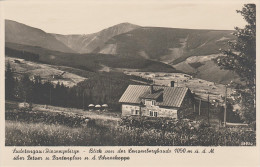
[129, 83]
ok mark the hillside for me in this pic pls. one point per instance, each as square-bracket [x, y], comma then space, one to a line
[126, 47]
[45, 71]
[90, 62]
[91, 42]
[22, 34]
[205, 68]
[169, 45]
[201, 88]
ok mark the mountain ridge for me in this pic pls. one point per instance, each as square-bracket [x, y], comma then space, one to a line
[20, 33]
[87, 43]
[130, 42]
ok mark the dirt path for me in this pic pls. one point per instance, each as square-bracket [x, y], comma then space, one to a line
[104, 115]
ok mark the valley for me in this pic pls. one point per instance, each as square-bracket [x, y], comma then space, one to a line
[124, 54]
[72, 76]
[128, 46]
[158, 54]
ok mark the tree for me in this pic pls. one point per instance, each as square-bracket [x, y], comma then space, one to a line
[37, 85]
[241, 57]
[25, 89]
[9, 82]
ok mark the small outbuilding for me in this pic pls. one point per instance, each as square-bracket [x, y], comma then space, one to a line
[91, 106]
[105, 107]
[98, 107]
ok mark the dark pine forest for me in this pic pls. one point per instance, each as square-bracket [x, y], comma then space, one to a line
[99, 88]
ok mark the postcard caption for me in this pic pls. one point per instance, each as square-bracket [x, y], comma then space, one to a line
[97, 154]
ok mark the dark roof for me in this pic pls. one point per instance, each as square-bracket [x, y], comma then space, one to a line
[172, 96]
[155, 95]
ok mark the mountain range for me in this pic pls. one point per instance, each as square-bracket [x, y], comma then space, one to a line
[22, 34]
[90, 42]
[185, 50]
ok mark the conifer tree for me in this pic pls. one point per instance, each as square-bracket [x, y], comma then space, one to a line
[9, 82]
[241, 58]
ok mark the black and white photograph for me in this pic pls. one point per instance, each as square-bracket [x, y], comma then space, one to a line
[116, 73]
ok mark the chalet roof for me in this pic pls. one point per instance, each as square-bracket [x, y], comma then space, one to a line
[155, 95]
[172, 96]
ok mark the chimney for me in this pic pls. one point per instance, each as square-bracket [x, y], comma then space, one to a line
[172, 83]
[151, 89]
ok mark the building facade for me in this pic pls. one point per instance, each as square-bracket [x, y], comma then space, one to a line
[157, 101]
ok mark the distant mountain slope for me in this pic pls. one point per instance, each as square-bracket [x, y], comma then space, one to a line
[205, 68]
[93, 42]
[169, 45]
[127, 46]
[211, 72]
[22, 34]
[91, 61]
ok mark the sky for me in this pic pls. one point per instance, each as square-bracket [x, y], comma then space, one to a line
[64, 17]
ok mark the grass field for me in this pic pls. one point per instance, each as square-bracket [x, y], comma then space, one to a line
[57, 126]
[101, 117]
[41, 134]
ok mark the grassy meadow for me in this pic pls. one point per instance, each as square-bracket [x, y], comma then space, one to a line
[73, 127]
[41, 134]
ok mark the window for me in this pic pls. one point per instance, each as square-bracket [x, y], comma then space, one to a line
[151, 113]
[136, 112]
[155, 114]
[149, 102]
